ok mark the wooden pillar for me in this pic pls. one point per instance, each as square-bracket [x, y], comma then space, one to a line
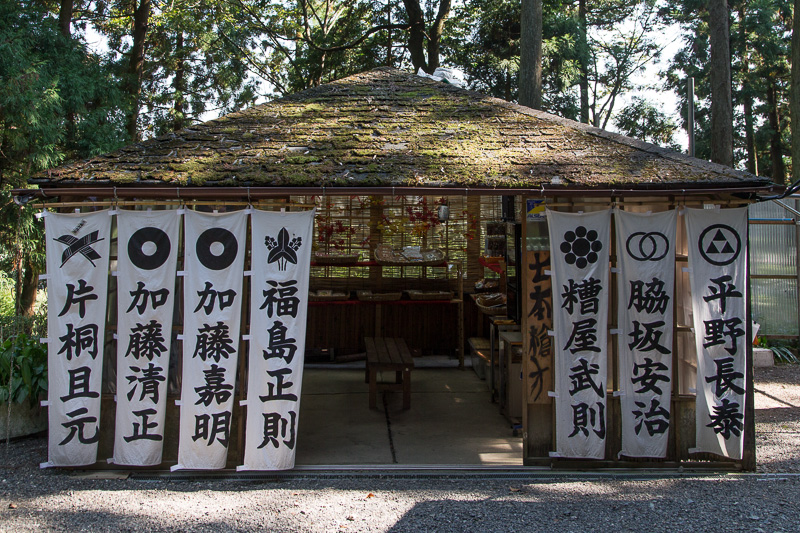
[749, 444]
[538, 370]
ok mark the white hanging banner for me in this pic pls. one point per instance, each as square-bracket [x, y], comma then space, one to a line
[646, 284]
[579, 261]
[77, 270]
[212, 303]
[281, 260]
[717, 241]
[147, 258]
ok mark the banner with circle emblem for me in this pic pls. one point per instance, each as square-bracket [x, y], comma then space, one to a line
[717, 240]
[580, 251]
[212, 305]
[646, 282]
[148, 255]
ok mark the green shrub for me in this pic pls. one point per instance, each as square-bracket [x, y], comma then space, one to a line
[784, 354]
[23, 365]
[34, 326]
[6, 294]
[784, 351]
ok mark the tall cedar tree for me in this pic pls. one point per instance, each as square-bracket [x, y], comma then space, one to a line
[57, 102]
[760, 79]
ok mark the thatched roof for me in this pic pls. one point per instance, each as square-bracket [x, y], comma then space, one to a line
[390, 128]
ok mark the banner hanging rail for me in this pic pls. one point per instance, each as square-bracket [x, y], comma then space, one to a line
[254, 193]
[295, 205]
[171, 203]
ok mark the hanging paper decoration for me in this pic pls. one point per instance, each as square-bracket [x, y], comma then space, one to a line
[646, 263]
[281, 260]
[77, 272]
[717, 258]
[212, 302]
[580, 244]
[148, 252]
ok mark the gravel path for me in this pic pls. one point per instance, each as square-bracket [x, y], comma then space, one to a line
[777, 402]
[34, 500]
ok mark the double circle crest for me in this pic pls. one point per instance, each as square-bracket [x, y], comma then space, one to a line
[647, 246]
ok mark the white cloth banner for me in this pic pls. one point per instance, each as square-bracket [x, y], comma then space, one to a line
[77, 270]
[281, 261]
[646, 285]
[717, 241]
[147, 259]
[212, 303]
[580, 244]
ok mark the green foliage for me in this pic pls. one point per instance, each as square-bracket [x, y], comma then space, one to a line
[760, 63]
[784, 354]
[619, 41]
[784, 351]
[57, 100]
[6, 294]
[483, 40]
[641, 120]
[34, 325]
[194, 61]
[21, 249]
[28, 97]
[490, 60]
[23, 364]
[269, 38]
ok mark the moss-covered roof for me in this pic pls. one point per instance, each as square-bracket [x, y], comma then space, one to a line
[391, 128]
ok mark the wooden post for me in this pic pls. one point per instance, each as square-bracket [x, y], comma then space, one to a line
[797, 257]
[749, 444]
[460, 304]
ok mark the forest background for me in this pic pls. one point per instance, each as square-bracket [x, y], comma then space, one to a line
[80, 78]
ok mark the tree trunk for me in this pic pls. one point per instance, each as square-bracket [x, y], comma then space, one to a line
[794, 91]
[747, 97]
[530, 54]
[435, 35]
[720, 77]
[141, 17]
[778, 170]
[389, 59]
[178, 83]
[316, 80]
[583, 62]
[64, 22]
[65, 17]
[18, 282]
[416, 35]
[749, 135]
[30, 285]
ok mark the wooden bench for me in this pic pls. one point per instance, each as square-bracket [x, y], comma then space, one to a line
[386, 354]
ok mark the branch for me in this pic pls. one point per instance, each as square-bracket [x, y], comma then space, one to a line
[245, 54]
[309, 40]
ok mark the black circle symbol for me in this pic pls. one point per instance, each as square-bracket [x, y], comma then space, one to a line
[580, 247]
[142, 259]
[649, 246]
[222, 260]
[719, 244]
